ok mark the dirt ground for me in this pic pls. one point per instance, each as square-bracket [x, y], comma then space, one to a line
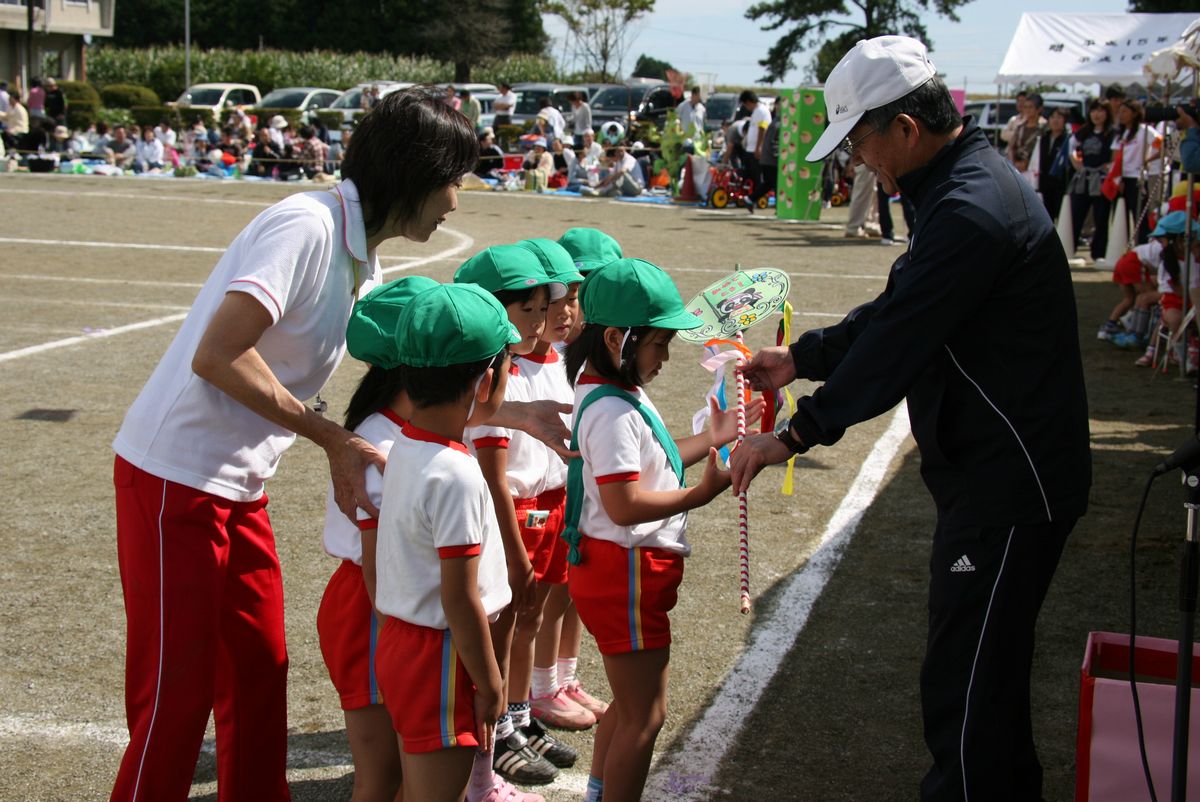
[94, 258]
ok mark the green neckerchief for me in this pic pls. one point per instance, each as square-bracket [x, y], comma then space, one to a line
[575, 470]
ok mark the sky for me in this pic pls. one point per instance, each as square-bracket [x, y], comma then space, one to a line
[715, 42]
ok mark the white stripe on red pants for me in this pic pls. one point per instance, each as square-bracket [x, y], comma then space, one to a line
[204, 613]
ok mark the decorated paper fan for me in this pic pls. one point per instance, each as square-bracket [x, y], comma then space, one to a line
[737, 302]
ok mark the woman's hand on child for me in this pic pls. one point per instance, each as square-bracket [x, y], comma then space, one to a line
[349, 459]
[723, 423]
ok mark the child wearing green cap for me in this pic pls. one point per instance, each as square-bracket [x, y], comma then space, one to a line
[347, 624]
[515, 466]
[627, 506]
[440, 563]
[590, 248]
[555, 695]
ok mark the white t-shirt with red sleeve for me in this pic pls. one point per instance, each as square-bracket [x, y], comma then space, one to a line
[527, 456]
[305, 260]
[342, 537]
[618, 446]
[436, 506]
[547, 375]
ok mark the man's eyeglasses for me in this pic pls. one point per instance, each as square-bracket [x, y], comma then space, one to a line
[850, 146]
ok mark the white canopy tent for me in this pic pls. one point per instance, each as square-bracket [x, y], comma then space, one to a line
[1088, 48]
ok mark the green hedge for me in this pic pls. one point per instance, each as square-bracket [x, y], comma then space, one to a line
[180, 118]
[80, 92]
[81, 114]
[161, 68]
[115, 117]
[332, 119]
[126, 96]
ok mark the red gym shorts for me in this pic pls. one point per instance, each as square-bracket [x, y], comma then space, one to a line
[1170, 300]
[540, 520]
[623, 595]
[1130, 270]
[348, 630]
[426, 688]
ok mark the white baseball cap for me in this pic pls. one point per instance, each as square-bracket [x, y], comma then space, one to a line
[874, 73]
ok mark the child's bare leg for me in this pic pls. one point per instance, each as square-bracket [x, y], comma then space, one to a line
[571, 638]
[439, 776]
[639, 685]
[545, 647]
[1174, 319]
[502, 635]
[1128, 294]
[376, 755]
[603, 739]
[521, 660]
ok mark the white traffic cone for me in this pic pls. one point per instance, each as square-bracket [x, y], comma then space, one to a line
[1066, 230]
[1118, 233]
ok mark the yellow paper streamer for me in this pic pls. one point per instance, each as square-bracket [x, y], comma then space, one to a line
[790, 402]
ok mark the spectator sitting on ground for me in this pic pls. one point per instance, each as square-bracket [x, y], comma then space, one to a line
[491, 157]
[334, 163]
[590, 151]
[313, 152]
[120, 150]
[538, 165]
[206, 158]
[267, 157]
[562, 164]
[279, 124]
[240, 122]
[16, 120]
[149, 154]
[99, 142]
[4, 101]
[624, 176]
[229, 143]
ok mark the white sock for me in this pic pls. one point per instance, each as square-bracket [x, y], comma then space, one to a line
[482, 777]
[566, 670]
[544, 682]
[504, 727]
[519, 711]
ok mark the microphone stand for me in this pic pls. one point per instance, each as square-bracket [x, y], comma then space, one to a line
[1189, 567]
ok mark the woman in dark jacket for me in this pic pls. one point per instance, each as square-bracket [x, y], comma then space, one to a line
[1054, 167]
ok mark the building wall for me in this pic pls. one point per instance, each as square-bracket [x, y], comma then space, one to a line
[58, 39]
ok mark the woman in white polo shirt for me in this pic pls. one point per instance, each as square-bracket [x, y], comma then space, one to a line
[201, 578]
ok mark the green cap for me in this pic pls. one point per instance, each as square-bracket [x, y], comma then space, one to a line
[507, 267]
[452, 324]
[633, 292]
[556, 260]
[590, 248]
[371, 332]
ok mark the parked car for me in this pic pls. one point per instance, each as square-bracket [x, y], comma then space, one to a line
[218, 97]
[307, 99]
[349, 102]
[991, 114]
[719, 107]
[528, 95]
[621, 103]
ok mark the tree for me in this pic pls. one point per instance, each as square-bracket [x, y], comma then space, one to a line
[602, 30]
[812, 22]
[647, 67]
[476, 29]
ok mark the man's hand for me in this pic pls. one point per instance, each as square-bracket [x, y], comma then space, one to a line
[770, 369]
[544, 421]
[754, 454]
[348, 462]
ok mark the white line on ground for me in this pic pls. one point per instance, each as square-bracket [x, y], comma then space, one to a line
[72, 302]
[140, 196]
[131, 246]
[686, 774]
[464, 242]
[87, 280]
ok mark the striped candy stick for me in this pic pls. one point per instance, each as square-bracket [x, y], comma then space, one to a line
[743, 507]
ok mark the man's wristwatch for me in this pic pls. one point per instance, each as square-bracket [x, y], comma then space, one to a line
[783, 433]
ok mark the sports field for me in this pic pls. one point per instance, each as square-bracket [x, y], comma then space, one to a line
[811, 697]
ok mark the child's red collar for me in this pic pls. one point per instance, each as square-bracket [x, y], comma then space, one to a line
[424, 435]
[585, 379]
[548, 358]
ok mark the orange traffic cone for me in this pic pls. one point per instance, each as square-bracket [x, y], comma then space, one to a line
[687, 187]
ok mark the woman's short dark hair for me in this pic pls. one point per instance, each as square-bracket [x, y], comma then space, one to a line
[1100, 104]
[1139, 116]
[409, 146]
[589, 347]
[427, 387]
[930, 103]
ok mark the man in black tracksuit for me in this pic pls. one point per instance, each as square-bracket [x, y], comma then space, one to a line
[977, 330]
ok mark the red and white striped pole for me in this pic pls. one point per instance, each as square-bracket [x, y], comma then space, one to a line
[743, 511]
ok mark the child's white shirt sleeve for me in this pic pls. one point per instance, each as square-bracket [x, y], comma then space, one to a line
[456, 515]
[610, 441]
[374, 482]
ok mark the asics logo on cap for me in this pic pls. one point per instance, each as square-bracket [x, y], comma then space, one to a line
[841, 109]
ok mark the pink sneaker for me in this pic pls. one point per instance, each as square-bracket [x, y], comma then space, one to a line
[559, 711]
[575, 692]
[502, 791]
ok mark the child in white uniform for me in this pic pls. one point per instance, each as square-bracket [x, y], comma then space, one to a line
[515, 467]
[440, 573]
[346, 621]
[627, 528]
